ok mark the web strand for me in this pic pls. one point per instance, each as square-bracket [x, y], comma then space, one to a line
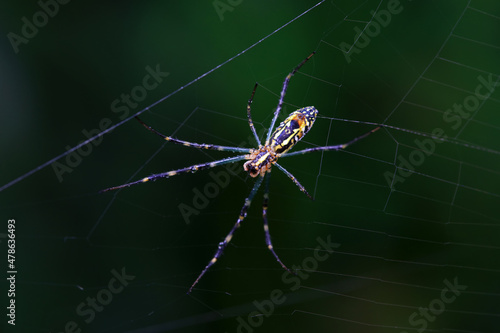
[398, 243]
[97, 136]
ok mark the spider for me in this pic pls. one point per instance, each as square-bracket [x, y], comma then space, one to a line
[259, 161]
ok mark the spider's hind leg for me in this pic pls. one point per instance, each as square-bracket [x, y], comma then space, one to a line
[223, 244]
[266, 225]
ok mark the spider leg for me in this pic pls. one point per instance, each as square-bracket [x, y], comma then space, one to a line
[336, 147]
[223, 244]
[192, 144]
[266, 224]
[192, 169]
[282, 96]
[249, 115]
[292, 177]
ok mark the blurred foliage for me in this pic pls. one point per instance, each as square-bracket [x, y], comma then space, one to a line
[63, 82]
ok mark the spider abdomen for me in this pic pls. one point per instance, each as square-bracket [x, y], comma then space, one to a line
[292, 129]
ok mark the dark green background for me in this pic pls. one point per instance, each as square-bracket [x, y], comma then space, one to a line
[396, 246]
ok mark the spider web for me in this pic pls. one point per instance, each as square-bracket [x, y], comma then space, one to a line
[403, 231]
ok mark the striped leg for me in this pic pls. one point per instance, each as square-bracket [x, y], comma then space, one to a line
[192, 169]
[192, 144]
[282, 97]
[336, 147]
[292, 177]
[266, 224]
[223, 244]
[249, 115]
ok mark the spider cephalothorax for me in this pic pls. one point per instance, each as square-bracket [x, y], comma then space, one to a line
[259, 161]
